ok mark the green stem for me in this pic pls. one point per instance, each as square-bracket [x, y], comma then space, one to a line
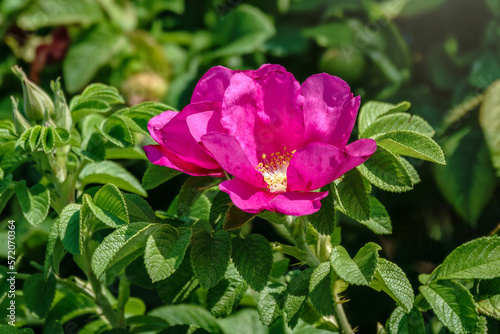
[107, 310]
[345, 326]
[297, 227]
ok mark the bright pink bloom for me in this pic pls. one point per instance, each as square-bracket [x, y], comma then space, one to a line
[179, 135]
[279, 139]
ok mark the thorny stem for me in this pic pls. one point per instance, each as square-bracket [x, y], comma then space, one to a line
[297, 226]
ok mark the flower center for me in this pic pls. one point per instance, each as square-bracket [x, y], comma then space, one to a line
[274, 170]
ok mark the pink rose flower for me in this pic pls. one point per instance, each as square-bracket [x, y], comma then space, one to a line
[279, 139]
[179, 137]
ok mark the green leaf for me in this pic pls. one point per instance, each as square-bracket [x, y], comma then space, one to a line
[84, 59]
[55, 251]
[179, 285]
[200, 209]
[23, 140]
[242, 31]
[236, 218]
[127, 240]
[187, 315]
[296, 295]
[280, 267]
[94, 150]
[165, 250]
[479, 259]
[138, 116]
[401, 322]
[245, 321]
[110, 172]
[223, 298]
[35, 202]
[210, 256]
[191, 190]
[96, 326]
[359, 270]
[54, 327]
[219, 208]
[253, 258]
[453, 305]
[393, 281]
[488, 298]
[489, 118]
[386, 171]
[34, 139]
[372, 110]
[415, 178]
[100, 92]
[138, 209]
[145, 323]
[331, 35]
[95, 98]
[69, 305]
[411, 144]
[10, 157]
[468, 180]
[324, 219]
[5, 182]
[156, 175]
[116, 131]
[39, 293]
[397, 122]
[48, 139]
[70, 229]
[320, 289]
[52, 13]
[379, 220]
[352, 195]
[110, 206]
[270, 303]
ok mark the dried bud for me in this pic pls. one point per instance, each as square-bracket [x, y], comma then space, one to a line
[20, 123]
[37, 104]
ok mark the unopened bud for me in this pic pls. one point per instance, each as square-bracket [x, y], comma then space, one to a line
[62, 115]
[20, 123]
[145, 86]
[37, 104]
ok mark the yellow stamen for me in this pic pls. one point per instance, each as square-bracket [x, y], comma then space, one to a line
[274, 170]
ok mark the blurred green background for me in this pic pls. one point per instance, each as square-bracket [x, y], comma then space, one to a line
[442, 56]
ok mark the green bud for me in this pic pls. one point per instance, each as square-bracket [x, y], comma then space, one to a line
[62, 115]
[20, 123]
[37, 104]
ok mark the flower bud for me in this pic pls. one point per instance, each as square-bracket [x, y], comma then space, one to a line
[37, 104]
[62, 115]
[144, 86]
[20, 123]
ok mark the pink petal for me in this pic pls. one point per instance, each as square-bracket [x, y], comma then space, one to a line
[297, 203]
[265, 113]
[157, 123]
[319, 164]
[239, 110]
[329, 110]
[212, 85]
[177, 138]
[204, 122]
[158, 155]
[265, 69]
[245, 196]
[228, 152]
[254, 200]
